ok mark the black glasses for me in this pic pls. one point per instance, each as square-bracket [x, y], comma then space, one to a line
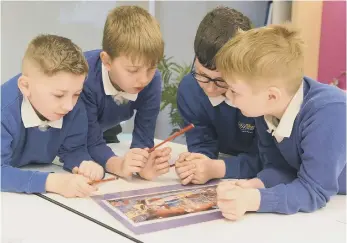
[204, 79]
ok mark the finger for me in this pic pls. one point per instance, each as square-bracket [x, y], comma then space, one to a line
[138, 157]
[182, 156]
[142, 152]
[100, 174]
[187, 180]
[166, 151]
[182, 164]
[75, 170]
[187, 173]
[162, 166]
[198, 182]
[193, 156]
[85, 187]
[137, 163]
[224, 186]
[163, 171]
[185, 168]
[230, 216]
[79, 194]
[163, 159]
[231, 194]
[243, 183]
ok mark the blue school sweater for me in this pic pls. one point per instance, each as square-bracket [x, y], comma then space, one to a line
[22, 146]
[104, 113]
[219, 129]
[303, 171]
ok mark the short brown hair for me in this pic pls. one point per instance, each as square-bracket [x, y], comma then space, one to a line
[53, 54]
[132, 31]
[264, 54]
[216, 28]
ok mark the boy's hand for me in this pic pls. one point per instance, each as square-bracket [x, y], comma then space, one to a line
[133, 162]
[255, 183]
[157, 164]
[90, 169]
[69, 185]
[186, 169]
[234, 201]
[198, 168]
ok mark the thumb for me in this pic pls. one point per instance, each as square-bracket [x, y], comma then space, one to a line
[243, 183]
[193, 156]
[75, 170]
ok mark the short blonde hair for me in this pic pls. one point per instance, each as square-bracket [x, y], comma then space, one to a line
[53, 54]
[264, 54]
[133, 32]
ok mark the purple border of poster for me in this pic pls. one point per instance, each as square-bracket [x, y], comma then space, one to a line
[157, 226]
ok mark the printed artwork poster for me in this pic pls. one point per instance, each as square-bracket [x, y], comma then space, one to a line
[159, 208]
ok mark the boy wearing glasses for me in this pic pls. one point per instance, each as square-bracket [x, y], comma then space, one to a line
[220, 128]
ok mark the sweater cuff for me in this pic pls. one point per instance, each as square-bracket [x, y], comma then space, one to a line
[38, 182]
[265, 177]
[268, 200]
[232, 167]
[75, 160]
[101, 154]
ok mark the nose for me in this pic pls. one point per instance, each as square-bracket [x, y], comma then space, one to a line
[68, 105]
[142, 81]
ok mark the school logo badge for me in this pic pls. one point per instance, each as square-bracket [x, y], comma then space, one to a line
[245, 127]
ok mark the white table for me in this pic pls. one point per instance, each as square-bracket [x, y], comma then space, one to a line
[56, 223]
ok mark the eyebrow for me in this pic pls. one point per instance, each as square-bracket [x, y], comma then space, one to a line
[65, 91]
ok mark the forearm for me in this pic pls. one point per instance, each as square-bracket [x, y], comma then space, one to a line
[17, 180]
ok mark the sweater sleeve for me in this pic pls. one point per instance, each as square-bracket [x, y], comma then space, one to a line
[15, 179]
[97, 146]
[323, 147]
[244, 165]
[147, 114]
[74, 148]
[202, 139]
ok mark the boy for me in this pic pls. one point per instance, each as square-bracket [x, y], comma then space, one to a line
[42, 117]
[301, 125]
[123, 78]
[219, 126]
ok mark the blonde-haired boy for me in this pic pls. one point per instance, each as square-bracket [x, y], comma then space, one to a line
[301, 125]
[123, 78]
[42, 117]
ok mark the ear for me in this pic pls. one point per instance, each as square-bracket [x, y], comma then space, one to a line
[106, 60]
[274, 94]
[23, 85]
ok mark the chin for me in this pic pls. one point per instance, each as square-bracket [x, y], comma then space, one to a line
[246, 114]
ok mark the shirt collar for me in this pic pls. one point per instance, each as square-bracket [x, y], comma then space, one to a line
[219, 99]
[111, 90]
[31, 119]
[284, 127]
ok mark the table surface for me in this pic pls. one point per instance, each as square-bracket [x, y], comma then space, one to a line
[29, 218]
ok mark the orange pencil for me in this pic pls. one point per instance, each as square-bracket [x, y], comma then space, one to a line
[103, 180]
[173, 136]
[75, 171]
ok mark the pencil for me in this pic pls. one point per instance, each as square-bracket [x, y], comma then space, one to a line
[103, 180]
[173, 136]
[75, 171]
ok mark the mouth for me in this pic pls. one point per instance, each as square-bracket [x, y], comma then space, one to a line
[60, 114]
[139, 89]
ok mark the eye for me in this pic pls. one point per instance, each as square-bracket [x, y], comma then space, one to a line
[58, 96]
[133, 71]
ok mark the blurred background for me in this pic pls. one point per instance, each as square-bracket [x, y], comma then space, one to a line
[323, 25]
